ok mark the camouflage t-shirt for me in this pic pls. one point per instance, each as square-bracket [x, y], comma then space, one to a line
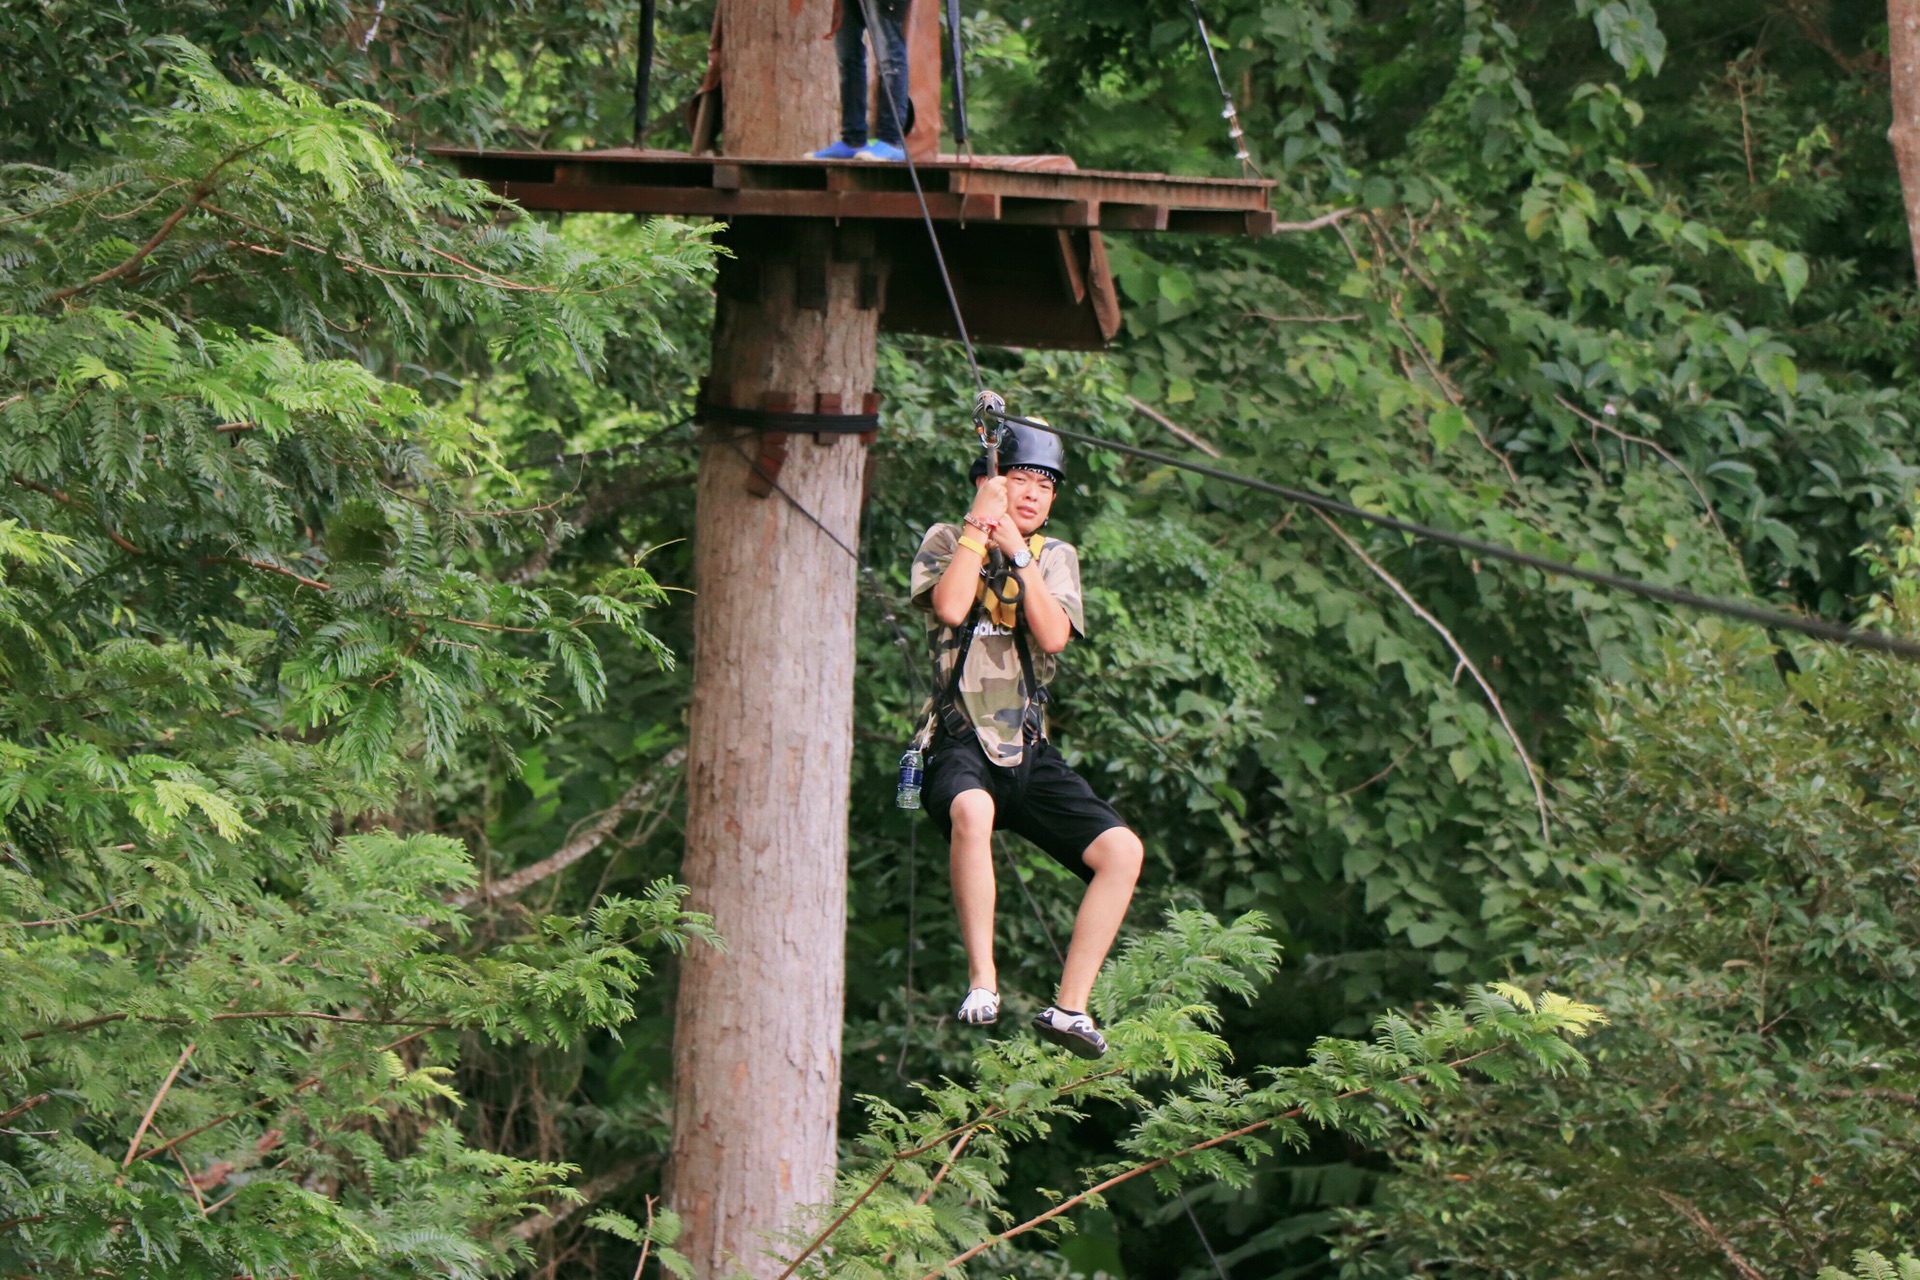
[992, 693]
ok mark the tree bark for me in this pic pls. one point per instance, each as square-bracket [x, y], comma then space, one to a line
[757, 1028]
[1903, 36]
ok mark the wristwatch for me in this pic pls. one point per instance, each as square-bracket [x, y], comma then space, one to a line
[1022, 558]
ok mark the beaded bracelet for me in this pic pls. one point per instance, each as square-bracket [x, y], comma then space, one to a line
[985, 526]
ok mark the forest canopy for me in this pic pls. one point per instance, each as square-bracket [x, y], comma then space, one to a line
[345, 609]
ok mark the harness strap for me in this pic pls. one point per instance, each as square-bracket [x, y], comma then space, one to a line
[946, 707]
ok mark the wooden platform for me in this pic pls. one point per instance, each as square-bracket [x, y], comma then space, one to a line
[1042, 191]
[1021, 234]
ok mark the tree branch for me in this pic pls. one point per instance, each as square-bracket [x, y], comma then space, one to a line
[637, 796]
[311, 1082]
[38, 924]
[1677, 465]
[299, 1014]
[1148, 411]
[133, 1148]
[21, 1108]
[1314, 224]
[1130, 1174]
[1687, 1210]
[267, 566]
[612, 1180]
[1533, 774]
[201, 191]
[897, 1158]
[66, 499]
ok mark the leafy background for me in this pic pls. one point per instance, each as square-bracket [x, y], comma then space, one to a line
[1624, 283]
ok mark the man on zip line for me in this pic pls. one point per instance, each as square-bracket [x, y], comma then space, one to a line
[995, 634]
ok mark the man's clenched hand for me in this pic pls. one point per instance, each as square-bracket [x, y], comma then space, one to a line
[990, 501]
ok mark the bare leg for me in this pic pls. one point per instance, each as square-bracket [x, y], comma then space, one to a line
[1115, 857]
[971, 862]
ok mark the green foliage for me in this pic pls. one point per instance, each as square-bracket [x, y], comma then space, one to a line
[1746, 913]
[1612, 268]
[73, 71]
[1612, 265]
[1869, 1265]
[244, 622]
[927, 1189]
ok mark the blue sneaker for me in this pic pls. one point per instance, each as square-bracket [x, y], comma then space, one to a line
[884, 151]
[835, 150]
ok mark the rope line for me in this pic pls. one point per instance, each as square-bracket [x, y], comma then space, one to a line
[913, 939]
[1205, 1243]
[1817, 628]
[1013, 869]
[913, 171]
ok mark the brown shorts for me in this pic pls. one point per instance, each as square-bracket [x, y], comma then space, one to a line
[1041, 798]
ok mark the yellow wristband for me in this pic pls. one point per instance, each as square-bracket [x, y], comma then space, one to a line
[978, 548]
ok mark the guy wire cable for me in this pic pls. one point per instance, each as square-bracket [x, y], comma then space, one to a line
[1227, 113]
[1817, 628]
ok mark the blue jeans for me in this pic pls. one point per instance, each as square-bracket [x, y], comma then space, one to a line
[890, 45]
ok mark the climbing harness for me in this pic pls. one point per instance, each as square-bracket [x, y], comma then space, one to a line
[946, 708]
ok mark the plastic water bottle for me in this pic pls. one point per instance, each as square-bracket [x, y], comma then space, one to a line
[911, 776]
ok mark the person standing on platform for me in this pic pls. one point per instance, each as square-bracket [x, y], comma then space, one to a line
[890, 53]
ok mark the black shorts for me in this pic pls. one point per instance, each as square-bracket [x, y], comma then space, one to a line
[1041, 798]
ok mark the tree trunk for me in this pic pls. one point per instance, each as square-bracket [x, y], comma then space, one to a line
[757, 1029]
[1903, 34]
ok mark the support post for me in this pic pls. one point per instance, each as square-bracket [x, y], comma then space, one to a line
[757, 1028]
[1903, 44]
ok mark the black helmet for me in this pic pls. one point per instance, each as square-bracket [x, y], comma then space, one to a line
[1029, 449]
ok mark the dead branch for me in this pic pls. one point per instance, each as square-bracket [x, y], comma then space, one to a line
[1148, 411]
[1705, 501]
[133, 1148]
[594, 1189]
[637, 796]
[1687, 1210]
[1314, 224]
[1399, 589]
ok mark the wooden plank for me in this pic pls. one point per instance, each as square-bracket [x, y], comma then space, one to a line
[1050, 213]
[1133, 217]
[1072, 275]
[1211, 222]
[629, 181]
[707, 202]
[1080, 184]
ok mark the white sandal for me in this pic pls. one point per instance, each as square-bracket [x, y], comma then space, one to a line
[981, 1008]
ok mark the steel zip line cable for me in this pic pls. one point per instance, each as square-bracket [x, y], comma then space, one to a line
[1817, 628]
